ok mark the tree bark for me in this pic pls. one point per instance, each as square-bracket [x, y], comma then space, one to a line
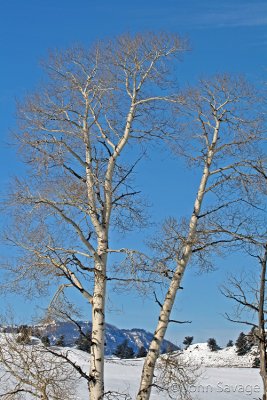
[154, 349]
[96, 385]
[262, 333]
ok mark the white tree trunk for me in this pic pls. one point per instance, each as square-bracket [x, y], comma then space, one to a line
[96, 385]
[154, 349]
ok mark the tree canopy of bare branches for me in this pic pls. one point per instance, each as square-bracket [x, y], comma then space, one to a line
[248, 290]
[81, 134]
[220, 132]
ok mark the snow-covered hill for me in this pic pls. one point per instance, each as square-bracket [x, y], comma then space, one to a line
[114, 336]
[196, 354]
[199, 353]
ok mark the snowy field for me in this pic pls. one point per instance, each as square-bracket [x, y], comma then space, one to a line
[217, 380]
[214, 384]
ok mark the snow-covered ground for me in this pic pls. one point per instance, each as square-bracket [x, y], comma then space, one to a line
[217, 379]
[214, 383]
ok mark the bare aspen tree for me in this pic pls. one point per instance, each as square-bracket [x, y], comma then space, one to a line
[248, 291]
[81, 136]
[249, 297]
[221, 132]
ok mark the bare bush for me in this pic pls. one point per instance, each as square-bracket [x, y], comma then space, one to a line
[30, 371]
[175, 376]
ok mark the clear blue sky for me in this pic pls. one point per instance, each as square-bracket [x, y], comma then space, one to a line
[228, 36]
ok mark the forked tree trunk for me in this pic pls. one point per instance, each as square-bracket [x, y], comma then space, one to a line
[154, 349]
[96, 385]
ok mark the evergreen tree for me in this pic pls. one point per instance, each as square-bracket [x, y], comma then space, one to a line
[60, 341]
[243, 345]
[129, 353]
[230, 343]
[124, 351]
[253, 337]
[212, 344]
[45, 340]
[142, 352]
[188, 340]
[256, 363]
[84, 342]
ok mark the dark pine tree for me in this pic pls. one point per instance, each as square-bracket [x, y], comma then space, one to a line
[142, 352]
[84, 341]
[243, 345]
[212, 344]
[256, 363]
[60, 341]
[230, 343]
[45, 340]
[188, 340]
[253, 337]
[124, 351]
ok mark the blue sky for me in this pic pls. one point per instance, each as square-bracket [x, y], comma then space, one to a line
[228, 36]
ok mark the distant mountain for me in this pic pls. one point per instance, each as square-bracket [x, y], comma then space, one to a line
[114, 336]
